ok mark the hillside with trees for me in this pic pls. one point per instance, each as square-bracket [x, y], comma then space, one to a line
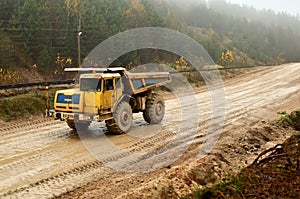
[263, 36]
[40, 37]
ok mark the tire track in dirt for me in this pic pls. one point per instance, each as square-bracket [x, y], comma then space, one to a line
[82, 172]
[21, 126]
[37, 140]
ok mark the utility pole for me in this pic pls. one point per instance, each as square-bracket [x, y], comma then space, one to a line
[78, 37]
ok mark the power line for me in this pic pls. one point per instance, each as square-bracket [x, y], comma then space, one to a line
[90, 29]
[10, 20]
[37, 29]
[43, 38]
[25, 85]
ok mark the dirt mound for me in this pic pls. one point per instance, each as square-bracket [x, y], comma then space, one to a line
[276, 175]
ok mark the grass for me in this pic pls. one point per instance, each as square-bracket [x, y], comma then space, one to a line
[282, 112]
[289, 120]
[21, 106]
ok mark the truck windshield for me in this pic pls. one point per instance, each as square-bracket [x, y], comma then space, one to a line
[90, 84]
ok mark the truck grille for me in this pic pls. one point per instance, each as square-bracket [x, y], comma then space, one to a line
[68, 99]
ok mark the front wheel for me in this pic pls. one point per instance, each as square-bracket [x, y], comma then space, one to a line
[155, 109]
[122, 119]
[79, 125]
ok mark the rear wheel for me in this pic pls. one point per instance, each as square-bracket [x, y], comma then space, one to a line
[122, 121]
[155, 109]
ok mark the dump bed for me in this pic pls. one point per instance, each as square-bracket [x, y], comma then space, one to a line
[134, 83]
[141, 82]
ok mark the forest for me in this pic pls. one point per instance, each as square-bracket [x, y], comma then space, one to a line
[42, 35]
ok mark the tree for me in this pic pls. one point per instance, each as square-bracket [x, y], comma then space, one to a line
[6, 51]
[227, 58]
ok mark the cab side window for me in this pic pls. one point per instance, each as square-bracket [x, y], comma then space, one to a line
[118, 83]
[109, 84]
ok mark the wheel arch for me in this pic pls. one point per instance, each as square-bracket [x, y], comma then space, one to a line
[123, 98]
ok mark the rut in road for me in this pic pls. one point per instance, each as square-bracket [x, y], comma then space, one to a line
[14, 129]
[57, 163]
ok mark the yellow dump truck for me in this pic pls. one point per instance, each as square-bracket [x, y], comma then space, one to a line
[111, 95]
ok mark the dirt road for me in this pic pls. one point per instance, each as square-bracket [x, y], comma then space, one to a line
[44, 158]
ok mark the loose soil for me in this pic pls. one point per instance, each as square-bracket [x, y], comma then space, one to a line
[275, 176]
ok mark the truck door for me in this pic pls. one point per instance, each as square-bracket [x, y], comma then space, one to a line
[108, 93]
[118, 90]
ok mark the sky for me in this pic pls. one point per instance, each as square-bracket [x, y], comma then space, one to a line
[290, 6]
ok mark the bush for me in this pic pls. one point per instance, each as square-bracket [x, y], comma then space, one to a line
[21, 106]
[290, 120]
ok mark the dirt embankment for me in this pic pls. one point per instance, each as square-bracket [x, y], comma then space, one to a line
[274, 176]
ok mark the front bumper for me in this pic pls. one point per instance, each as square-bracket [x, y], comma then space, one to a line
[75, 116]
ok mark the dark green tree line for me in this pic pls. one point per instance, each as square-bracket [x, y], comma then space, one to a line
[45, 29]
[41, 31]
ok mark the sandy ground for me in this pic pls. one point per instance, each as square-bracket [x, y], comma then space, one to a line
[45, 159]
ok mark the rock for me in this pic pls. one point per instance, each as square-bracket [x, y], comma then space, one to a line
[295, 118]
[246, 147]
[256, 145]
[269, 129]
[236, 150]
[297, 126]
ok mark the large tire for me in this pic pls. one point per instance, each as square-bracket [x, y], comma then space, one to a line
[155, 109]
[122, 119]
[80, 125]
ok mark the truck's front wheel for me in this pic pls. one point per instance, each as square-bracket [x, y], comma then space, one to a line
[71, 124]
[79, 125]
[155, 109]
[122, 119]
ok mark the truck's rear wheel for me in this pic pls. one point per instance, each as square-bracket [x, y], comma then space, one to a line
[80, 125]
[155, 109]
[122, 119]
